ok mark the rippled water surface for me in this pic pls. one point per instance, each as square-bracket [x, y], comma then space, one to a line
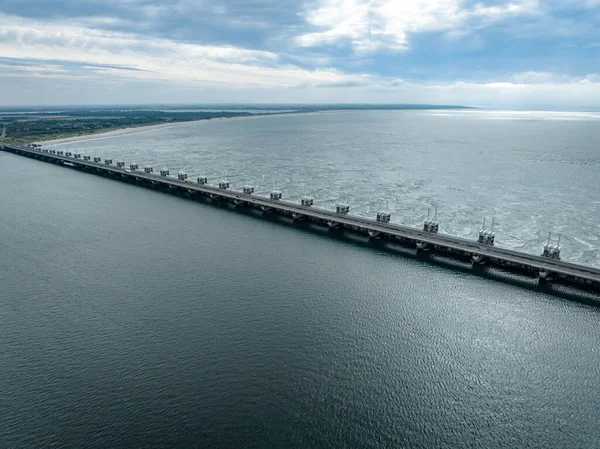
[533, 172]
[132, 318]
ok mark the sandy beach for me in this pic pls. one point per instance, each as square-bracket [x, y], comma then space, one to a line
[147, 128]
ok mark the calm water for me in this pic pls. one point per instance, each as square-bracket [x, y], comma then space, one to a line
[131, 318]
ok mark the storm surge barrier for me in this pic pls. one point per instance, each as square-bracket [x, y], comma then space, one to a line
[548, 267]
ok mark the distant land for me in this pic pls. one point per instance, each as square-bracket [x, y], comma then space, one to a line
[35, 124]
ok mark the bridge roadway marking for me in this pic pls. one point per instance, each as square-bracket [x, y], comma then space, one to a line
[455, 243]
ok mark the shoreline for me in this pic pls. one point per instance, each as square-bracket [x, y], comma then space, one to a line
[104, 134]
[148, 128]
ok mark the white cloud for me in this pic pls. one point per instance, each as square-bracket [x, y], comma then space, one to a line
[370, 24]
[112, 86]
[539, 77]
[166, 69]
[33, 70]
[523, 90]
[552, 78]
[587, 3]
[155, 58]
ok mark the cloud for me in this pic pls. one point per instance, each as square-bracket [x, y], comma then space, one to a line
[482, 52]
[539, 77]
[587, 3]
[522, 90]
[154, 58]
[38, 70]
[372, 24]
[550, 78]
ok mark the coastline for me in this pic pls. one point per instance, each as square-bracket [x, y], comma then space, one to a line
[147, 128]
[493, 114]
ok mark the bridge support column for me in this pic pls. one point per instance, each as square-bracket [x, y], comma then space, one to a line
[478, 259]
[422, 246]
[373, 234]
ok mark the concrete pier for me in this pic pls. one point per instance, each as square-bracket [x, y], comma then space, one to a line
[544, 268]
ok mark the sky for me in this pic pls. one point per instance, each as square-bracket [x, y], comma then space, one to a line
[504, 54]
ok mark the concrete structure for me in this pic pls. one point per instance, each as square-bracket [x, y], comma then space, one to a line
[342, 209]
[383, 217]
[307, 201]
[545, 267]
[486, 236]
[432, 226]
[552, 251]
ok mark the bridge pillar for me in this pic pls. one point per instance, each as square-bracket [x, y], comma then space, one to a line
[432, 226]
[383, 217]
[487, 237]
[544, 275]
[477, 258]
[342, 208]
[552, 251]
[307, 201]
[422, 246]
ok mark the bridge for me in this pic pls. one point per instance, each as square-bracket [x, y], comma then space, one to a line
[547, 267]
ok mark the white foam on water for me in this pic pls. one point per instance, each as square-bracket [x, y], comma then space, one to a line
[532, 176]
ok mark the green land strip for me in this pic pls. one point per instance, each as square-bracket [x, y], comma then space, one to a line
[33, 127]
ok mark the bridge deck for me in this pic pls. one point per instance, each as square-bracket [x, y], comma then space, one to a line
[564, 269]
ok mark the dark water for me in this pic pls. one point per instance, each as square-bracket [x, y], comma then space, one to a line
[135, 319]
